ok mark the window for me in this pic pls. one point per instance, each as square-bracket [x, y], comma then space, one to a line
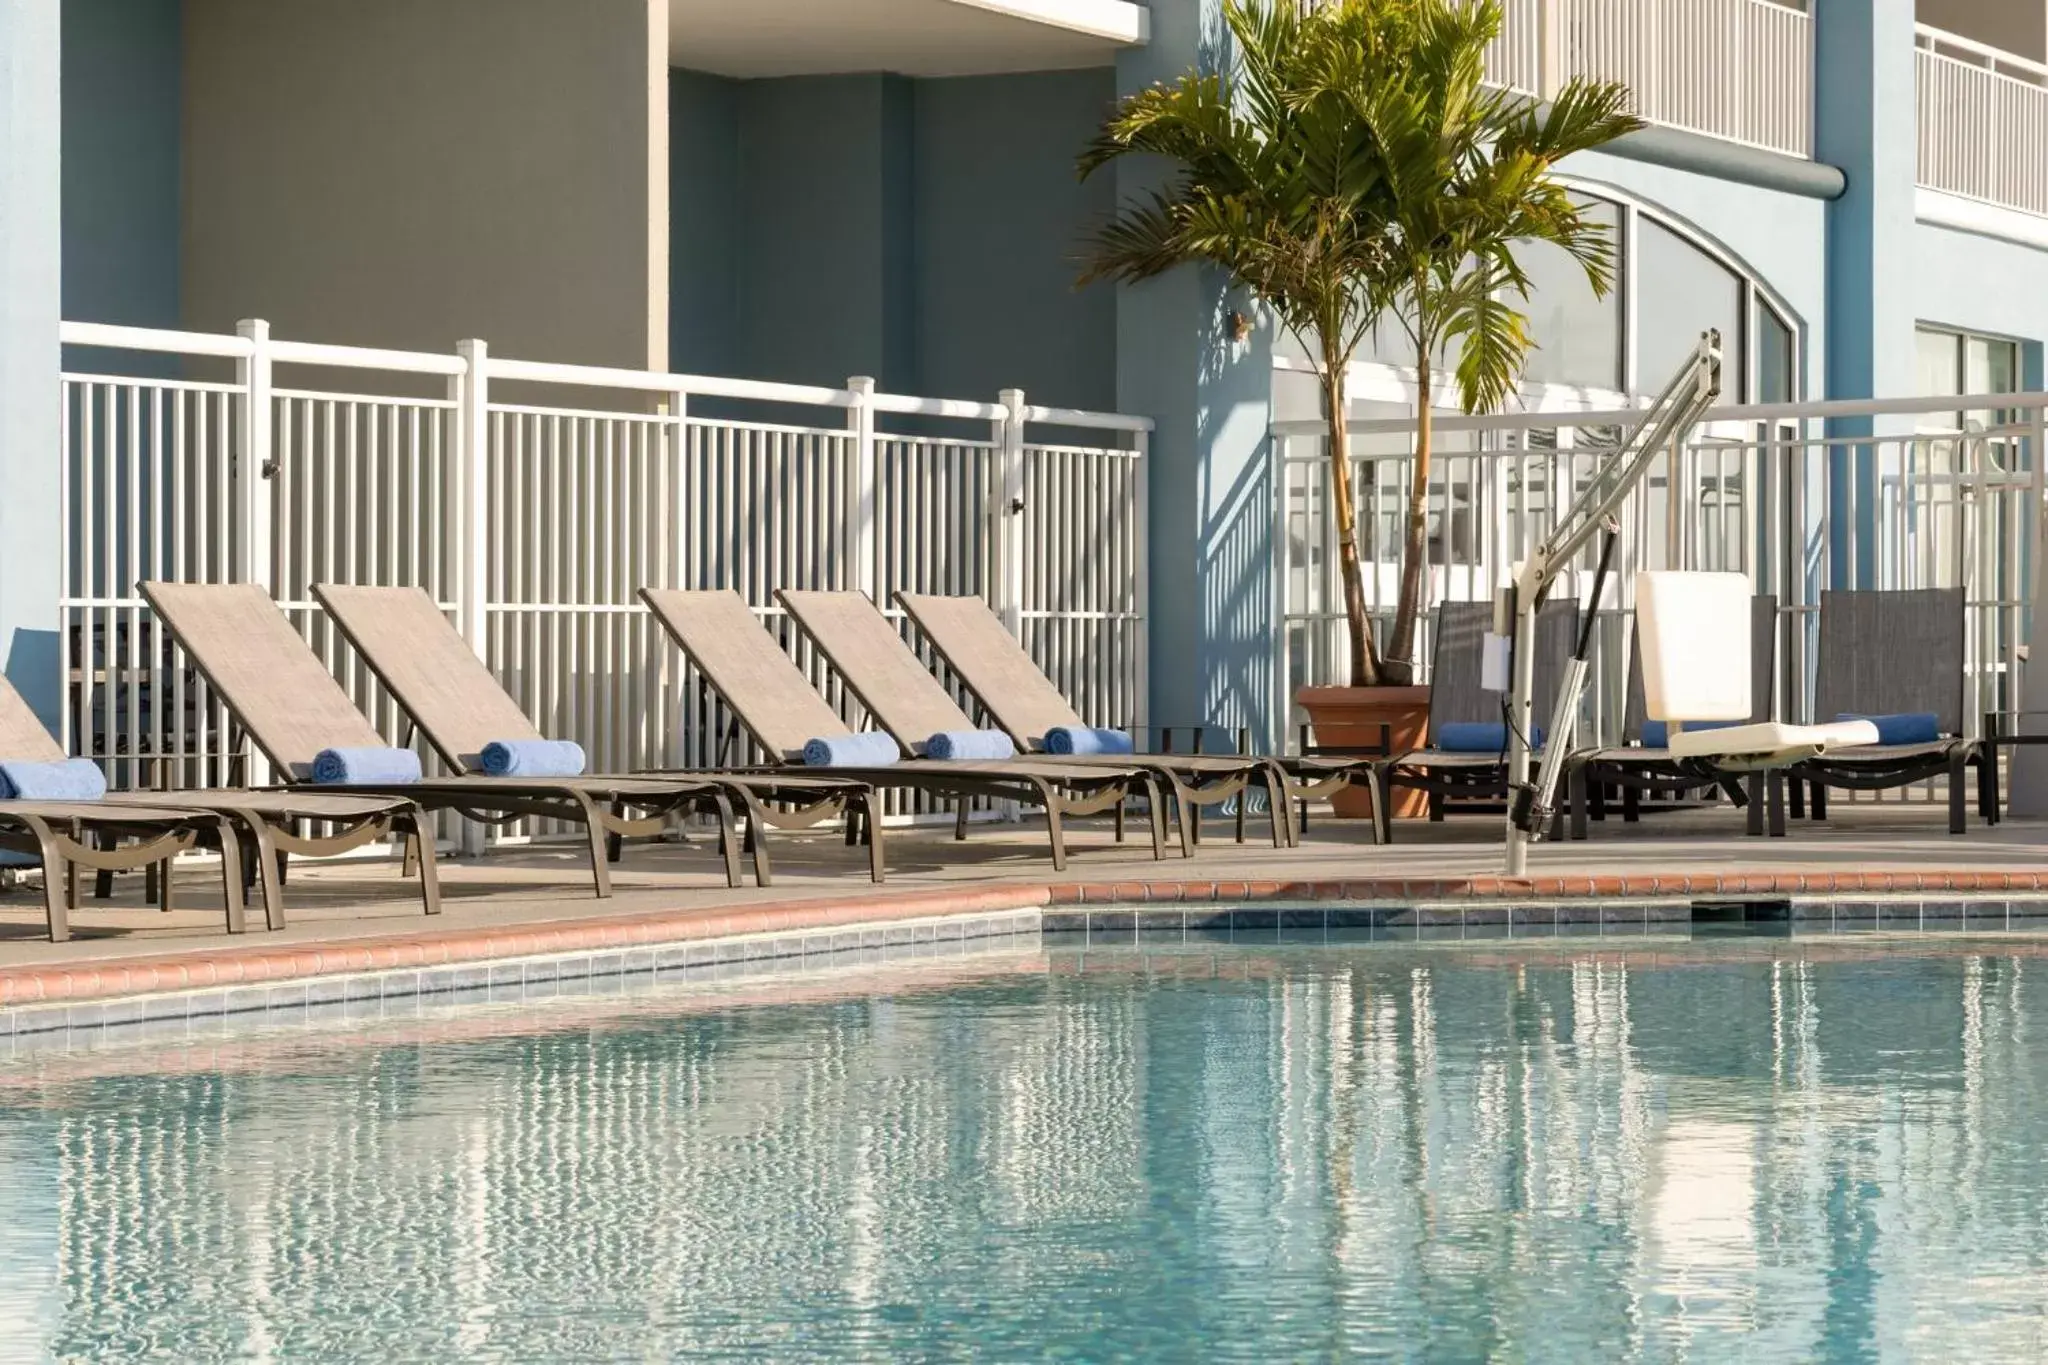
[1957, 363]
[1681, 292]
[1776, 380]
[1578, 336]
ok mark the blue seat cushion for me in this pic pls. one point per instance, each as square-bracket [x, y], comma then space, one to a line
[1479, 737]
[1907, 727]
[1657, 733]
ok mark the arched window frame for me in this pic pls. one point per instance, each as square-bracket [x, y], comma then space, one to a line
[1380, 382]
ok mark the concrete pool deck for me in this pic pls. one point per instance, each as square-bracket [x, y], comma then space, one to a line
[361, 917]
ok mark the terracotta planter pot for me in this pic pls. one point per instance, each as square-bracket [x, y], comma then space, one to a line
[1370, 718]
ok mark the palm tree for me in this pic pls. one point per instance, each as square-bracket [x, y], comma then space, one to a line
[1351, 168]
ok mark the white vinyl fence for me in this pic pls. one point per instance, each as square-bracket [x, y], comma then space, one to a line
[1983, 120]
[534, 522]
[1939, 503]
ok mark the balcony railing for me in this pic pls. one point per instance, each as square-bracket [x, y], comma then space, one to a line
[1740, 70]
[1983, 122]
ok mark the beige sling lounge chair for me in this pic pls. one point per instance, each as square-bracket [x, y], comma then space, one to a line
[292, 708]
[981, 652]
[271, 819]
[782, 711]
[912, 705]
[437, 679]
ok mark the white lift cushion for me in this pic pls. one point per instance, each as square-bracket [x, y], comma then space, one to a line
[1770, 744]
[1694, 633]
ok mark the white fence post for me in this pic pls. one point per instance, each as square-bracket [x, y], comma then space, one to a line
[1008, 595]
[471, 391]
[2027, 781]
[1549, 48]
[860, 420]
[672, 558]
[253, 466]
[252, 488]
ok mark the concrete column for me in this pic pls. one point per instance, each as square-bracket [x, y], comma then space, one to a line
[1211, 502]
[1865, 123]
[30, 231]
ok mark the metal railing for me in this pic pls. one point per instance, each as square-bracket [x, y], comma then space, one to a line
[1762, 490]
[1983, 122]
[1740, 70]
[534, 522]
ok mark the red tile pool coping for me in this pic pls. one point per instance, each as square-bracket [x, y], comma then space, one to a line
[249, 963]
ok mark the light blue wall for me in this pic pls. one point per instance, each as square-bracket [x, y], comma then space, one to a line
[1000, 226]
[31, 235]
[1211, 498]
[1978, 284]
[121, 159]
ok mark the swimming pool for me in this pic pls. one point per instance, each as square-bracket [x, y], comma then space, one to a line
[1806, 1149]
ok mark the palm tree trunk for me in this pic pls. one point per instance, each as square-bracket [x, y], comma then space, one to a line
[1365, 664]
[1400, 662]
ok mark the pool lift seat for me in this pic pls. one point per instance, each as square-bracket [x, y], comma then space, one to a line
[1695, 634]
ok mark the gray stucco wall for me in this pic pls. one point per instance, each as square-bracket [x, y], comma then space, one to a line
[390, 173]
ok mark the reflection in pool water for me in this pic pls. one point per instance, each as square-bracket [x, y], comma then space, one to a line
[1793, 1155]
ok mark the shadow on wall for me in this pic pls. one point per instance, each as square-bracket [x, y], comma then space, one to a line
[32, 668]
[1234, 563]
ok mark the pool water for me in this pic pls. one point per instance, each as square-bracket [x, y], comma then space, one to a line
[1787, 1151]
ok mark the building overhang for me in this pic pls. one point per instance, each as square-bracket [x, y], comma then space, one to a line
[755, 38]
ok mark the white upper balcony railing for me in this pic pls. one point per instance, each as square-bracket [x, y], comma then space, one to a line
[1983, 122]
[1740, 70]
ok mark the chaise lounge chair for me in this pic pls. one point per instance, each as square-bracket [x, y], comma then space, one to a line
[439, 682]
[182, 820]
[1638, 766]
[292, 710]
[990, 663]
[784, 713]
[894, 685]
[1895, 655]
[1457, 699]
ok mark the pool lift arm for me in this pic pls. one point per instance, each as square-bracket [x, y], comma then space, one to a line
[1667, 424]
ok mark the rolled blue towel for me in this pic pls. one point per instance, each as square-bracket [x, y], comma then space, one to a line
[1480, 737]
[1086, 739]
[533, 758]
[953, 746]
[1657, 733]
[70, 779]
[366, 766]
[1908, 727]
[869, 749]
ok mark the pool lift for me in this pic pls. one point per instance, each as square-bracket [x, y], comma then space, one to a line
[1669, 421]
[1693, 629]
